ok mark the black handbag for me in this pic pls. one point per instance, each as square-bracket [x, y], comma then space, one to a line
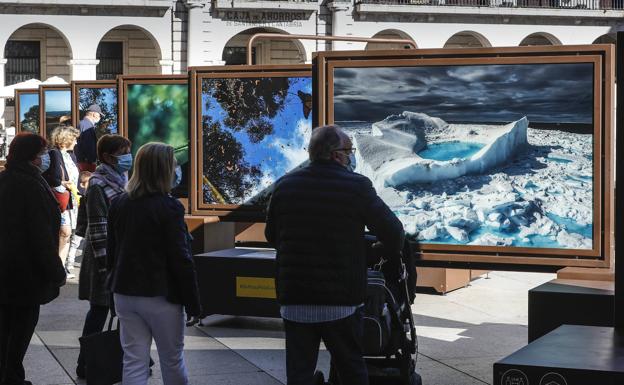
[103, 356]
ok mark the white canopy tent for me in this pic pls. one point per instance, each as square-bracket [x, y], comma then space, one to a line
[8, 92]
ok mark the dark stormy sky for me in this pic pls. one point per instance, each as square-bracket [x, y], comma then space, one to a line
[545, 93]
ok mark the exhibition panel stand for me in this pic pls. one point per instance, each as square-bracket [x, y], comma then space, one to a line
[577, 354]
[588, 247]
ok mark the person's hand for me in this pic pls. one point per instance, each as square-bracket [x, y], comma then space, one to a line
[192, 320]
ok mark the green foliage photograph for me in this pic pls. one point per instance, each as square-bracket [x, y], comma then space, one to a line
[159, 113]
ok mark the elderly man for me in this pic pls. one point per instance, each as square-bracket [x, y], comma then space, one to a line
[316, 221]
[85, 149]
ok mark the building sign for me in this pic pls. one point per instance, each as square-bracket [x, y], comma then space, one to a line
[268, 18]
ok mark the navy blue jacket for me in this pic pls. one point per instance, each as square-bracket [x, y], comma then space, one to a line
[148, 250]
[316, 221]
[86, 146]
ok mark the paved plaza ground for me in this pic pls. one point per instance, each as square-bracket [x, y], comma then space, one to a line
[461, 335]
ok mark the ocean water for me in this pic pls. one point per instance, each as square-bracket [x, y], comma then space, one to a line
[443, 151]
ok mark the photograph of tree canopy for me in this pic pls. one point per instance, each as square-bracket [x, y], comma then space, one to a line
[159, 113]
[28, 112]
[106, 98]
[254, 130]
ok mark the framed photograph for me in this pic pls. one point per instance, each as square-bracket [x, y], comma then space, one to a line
[55, 107]
[27, 110]
[251, 125]
[155, 108]
[100, 92]
[498, 155]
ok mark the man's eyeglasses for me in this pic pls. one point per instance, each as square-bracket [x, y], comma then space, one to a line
[347, 150]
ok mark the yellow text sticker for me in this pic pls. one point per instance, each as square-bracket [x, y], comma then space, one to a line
[254, 287]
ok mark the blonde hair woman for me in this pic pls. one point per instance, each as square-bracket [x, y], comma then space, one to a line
[150, 268]
[63, 176]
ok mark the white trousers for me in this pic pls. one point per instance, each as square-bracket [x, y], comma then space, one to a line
[142, 318]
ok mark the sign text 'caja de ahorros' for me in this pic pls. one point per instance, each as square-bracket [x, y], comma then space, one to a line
[263, 17]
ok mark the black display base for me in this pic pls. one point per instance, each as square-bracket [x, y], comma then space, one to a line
[570, 355]
[238, 281]
[569, 302]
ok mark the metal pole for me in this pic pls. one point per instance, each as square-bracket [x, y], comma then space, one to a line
[619, 186]
[279, 36]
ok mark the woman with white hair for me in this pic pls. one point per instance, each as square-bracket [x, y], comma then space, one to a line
[150, 268]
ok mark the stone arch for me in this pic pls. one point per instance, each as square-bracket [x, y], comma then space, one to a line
[141, 51]
[388, 34]
[467, 39]
[607, 38]
[55, 48]
[264, 51]
[540, 38]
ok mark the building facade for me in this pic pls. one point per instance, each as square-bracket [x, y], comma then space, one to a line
[99, 39]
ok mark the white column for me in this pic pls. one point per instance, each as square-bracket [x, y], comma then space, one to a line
[342, 24]
[194, 32]
[166, 67]
[3, 61]
[83, 69]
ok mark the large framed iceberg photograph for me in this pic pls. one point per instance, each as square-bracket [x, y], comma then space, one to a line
[485, 158]
[155, 108]
[56, 107]
[252, 125]
[27, 110]
[100, 92]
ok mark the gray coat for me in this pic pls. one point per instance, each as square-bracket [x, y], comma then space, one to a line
[92, 284]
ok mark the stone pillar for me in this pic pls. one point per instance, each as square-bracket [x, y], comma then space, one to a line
[166, 67]
[83, 69]
[194, 32]
[342, 23]
[3, 62]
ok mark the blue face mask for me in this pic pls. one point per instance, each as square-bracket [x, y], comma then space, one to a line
[178, 177]
[45, 162]
[351, 165]
[124, 163]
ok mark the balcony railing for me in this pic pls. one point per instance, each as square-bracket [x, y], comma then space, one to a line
[548, 4]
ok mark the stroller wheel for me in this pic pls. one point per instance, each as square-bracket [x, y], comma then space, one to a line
[415, 379]
[319, 378]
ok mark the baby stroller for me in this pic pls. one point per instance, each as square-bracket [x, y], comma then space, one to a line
[390, 342]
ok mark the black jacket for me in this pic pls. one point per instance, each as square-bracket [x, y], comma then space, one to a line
[86, 147]
[316, 220]
[31, 271]
[148, 250]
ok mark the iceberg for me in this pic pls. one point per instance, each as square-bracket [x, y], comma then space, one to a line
[390, 154]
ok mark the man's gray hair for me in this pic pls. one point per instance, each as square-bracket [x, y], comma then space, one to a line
[324, 140]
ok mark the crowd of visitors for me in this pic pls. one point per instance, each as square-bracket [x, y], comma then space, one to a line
[137, 263]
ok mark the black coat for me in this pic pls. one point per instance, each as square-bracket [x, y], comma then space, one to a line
[316, 220]
[31, 271]
[148, 250]
[86, 146]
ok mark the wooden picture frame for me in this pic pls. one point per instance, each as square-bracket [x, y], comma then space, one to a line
[602, 58]
[42, 105]
[18, 108]
[125, 81]
[226, 212]
[76, 86]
